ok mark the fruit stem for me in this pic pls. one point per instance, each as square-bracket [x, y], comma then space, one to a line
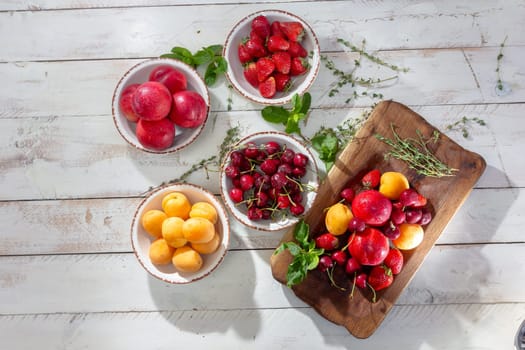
[330, 273]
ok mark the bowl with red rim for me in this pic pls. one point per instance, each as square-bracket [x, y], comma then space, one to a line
[161, 141]
[278, 179]
[141, 240]
[238, 62]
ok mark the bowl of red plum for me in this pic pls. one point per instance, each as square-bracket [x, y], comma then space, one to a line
[160, 105]
[272, 55]
[269, 180]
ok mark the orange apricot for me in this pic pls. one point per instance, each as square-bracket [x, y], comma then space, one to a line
[337, 218]
[208, 247]
[160, 252]
[172, 232]
[186, 259]
[176, 204]
[411, 235]
[198, 230]
[152, 222]
[392, 183]
[204, 210]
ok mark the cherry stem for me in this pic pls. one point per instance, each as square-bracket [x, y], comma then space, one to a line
[330, 272]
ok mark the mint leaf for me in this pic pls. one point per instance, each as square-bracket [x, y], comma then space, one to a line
[312, 260]
[326, 143]
[301, 233]
[222, 65]
[275, 114]
[296, 271]
[203, 56]
[216, 49]
[183, 54]
[210, 76]
[297, 103]
[306, 102]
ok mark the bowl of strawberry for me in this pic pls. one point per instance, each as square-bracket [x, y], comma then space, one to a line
[269, 181]
[160, 105]
[272, 55]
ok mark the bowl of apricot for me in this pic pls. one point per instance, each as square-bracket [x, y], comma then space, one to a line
[180, 233]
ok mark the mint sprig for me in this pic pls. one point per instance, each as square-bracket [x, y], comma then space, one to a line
[305, 254]
[289, 118]
[211, 55]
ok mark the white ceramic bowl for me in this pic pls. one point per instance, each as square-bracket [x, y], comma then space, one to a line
[139, 74]
[235, 69]
[141, 240]
[311, 179]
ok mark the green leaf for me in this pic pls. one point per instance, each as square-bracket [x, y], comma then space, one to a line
[301, 233]
[312, 260]
[326, 144]
[274, 114]
[293, 248]
[183, 54]
[210, 76]
[292, 127]
[222, 65]
[203, 56]
[216, 49]
[297, 103]
[306, 102]
[280, 249]
[296, 271]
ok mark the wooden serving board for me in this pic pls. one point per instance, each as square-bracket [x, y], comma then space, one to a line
[445, 195]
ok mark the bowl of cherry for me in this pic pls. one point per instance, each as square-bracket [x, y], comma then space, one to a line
[269, 180]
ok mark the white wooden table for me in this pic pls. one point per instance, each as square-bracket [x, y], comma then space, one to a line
[69, 184]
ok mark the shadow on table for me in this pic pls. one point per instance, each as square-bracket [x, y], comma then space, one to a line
[442, 306]
[219, 302]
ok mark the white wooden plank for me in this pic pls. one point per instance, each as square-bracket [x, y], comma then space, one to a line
[116, 282]
[38, 151]
[102, 225]
[13, 5]
[149, 31]
[453, 327]
[435, 77]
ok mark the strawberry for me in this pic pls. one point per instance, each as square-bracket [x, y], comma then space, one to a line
[299, 66]
[297, 50]
[294, 31]
[282, 81]
[277, 43]
[275, 28]
[244, 55]
[380, 277]
[267, 88]
[371, 179]
[261, 26]
[255, 47]
[265, 68]
[250, 73]
[394, 260]
[282, 61]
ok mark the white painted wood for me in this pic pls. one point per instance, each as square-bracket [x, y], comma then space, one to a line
[37, 151]
[435, 77]
[102, 225]
[69, 184]
[413, 327]
[148, 31]
[116, 282]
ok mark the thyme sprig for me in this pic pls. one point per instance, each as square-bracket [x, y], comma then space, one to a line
[350, 78]
[498, 66]
[371, 57]
[328, 142]
[232, 137]
[416, 154]
[464, 124]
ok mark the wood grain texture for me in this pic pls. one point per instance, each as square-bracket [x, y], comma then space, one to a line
[445, 195]
[134, 32]
[468, 326]
[85, 283]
